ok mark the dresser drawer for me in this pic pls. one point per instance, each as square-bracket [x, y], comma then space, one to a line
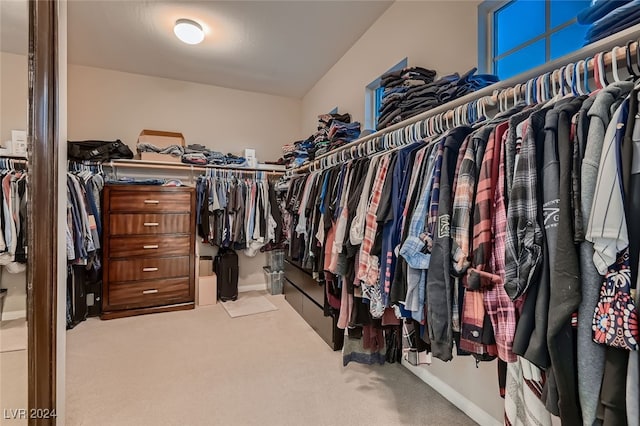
[150, 201]
[152, 245]
[141, 224]
[148, 293]
[149, 268]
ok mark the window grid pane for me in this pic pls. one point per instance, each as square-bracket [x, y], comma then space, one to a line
[511, 29]
[521, 60]
[567, 40]
[520, 22]
[563, 11]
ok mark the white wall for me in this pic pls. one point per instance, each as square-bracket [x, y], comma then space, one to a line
[108, 105]
[13, 94]
[14, 100]
[439, 35]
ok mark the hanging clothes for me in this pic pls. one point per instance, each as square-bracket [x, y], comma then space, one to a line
[83, 241]
[13, 216]
[239, 211]
[509, 240]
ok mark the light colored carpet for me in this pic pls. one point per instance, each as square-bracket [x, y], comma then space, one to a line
[13, 335]
[202, 367]
[250, 303]
[13, 387]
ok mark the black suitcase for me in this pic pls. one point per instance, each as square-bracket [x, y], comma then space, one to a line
[76, 295]
[225, 266]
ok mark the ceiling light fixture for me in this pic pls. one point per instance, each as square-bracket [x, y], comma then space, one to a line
[188, 31]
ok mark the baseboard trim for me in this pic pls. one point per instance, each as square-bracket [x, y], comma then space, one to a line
[252, 287]
[13, 315]
[456, 398]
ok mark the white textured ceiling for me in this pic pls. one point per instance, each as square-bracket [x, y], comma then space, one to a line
[277, 47]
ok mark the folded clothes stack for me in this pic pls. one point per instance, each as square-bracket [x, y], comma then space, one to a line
[334, 130]
[414, 96]
[173, 150]
[608, 17]
[196, 154]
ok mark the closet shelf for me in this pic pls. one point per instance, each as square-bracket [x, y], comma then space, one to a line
[164, 165]
[491, 95]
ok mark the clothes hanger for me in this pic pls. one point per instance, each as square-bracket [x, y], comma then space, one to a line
[614, 63]
[596, 72]
[540, 89]
[528, 92]
[571, 68]
[628, 63]
[585, 74]
[602, 70]
[577, 74]
[554, 89]
[534, 90]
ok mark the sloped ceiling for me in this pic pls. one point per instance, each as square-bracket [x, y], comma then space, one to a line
[277, 47]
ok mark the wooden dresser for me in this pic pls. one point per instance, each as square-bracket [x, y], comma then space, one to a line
[148, 249]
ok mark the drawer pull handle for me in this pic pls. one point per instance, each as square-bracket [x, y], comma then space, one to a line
[149, 291]
[149, 269]
[151, 202]
[151, 224]
[152, 246]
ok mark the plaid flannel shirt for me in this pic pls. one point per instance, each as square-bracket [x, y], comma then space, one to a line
[499, 306]
[463, 200]
[367, 265]
[523, 240]
[483, 212]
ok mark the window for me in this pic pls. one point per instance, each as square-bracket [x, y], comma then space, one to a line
[373, 98]
[518, 35]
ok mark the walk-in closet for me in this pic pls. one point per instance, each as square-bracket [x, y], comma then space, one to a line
[319, 212]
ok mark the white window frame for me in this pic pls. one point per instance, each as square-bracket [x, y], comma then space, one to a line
[486, 11]
[370, 113]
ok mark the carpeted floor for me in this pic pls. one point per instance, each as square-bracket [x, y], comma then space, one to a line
[13, 335]
[204, 368]
[13, 386]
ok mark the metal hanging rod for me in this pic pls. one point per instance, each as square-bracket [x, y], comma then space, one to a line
[167, 165]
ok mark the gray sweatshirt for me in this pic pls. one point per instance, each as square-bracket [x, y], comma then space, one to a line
[590, 354]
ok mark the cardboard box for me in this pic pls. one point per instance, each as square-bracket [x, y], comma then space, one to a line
[206, 266]
[207, 290]
[161, 139]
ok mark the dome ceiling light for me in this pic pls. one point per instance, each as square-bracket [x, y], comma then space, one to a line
[188, 31]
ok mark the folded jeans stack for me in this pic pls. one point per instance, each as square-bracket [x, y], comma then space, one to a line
[608, 17]
[199, 154]
[334, 130]
[396, 84]
[418, 98]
